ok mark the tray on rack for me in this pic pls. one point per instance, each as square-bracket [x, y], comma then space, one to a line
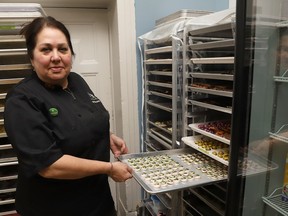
[212, 91]
[215, 60]
[217, 150]
[198, 127]
[251, 164]
[213, 104]
[170, 170]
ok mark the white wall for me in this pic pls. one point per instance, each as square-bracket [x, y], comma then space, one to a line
[232, 3]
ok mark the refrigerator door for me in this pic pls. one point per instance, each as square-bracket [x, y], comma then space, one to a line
[260, 110]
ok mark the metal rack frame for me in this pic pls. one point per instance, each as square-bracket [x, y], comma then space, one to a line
[14, 66]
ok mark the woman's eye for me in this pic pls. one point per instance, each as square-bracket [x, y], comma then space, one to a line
[63, 49]
[45, 50]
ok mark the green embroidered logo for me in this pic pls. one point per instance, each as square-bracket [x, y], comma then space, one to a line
[53, 111]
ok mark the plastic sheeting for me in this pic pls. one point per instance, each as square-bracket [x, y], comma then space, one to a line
[166, 32]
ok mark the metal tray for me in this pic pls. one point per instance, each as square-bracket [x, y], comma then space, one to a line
[191, 141]
[162, 170]
[212, 91]
[159, 50]
[216, 60]
[212, 106]
[195, 127]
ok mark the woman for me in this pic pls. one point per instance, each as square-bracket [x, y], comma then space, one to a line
[60, 132]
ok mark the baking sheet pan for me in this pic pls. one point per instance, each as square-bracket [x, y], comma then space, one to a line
[170, 170]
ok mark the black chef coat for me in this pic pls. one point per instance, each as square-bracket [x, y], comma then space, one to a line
[42, 124]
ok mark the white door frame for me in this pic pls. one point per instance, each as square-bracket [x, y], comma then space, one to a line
[124, 75]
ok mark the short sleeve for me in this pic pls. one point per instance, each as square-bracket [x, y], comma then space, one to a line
[28, 131]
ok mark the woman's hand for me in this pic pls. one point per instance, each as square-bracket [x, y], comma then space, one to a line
[117, 145]
[120, 172]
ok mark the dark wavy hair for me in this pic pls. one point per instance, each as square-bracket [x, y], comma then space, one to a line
[32, 29]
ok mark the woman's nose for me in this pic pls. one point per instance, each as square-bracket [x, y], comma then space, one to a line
[55, 56]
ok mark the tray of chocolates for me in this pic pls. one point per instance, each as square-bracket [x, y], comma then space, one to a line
[219, 130]
[170, 170]
[211, 147]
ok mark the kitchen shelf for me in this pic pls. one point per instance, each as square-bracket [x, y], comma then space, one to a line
[280, 134]
[190, 141]
[7, 160]
[161, 128]
[211, 106]
[282, 78]
[215, 76]
[10, 81]
[159, 140]
[158, 50]
[274, 200]
[159, 134]
[214, 205]
[160, 73]
[195, 127]
[219, 44]
[160, 94]
[158, 61]
[11, 39]
[222, 30]
[214, 60]
[5, 147]
[15, 67]
[3, 135]
[13, 52]
[9, 190]
[13, 177]
[7, 213]
[212, 91]
[9, 163]
[3, 202]
[160, 84]
[163, 106]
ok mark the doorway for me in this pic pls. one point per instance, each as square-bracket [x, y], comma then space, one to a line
[90, 38]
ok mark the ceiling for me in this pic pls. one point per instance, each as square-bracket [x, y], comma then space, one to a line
[67, 3]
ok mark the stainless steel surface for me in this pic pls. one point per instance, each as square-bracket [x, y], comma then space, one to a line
[214, 60]
[158, 61]
[15, 67]
[159, 50]
[220, 44]
[211, 106]
[161, 84]
[164, 106]
[161, 73]
[212, 91]
[215, 76]
[218, 30]
[160, 94]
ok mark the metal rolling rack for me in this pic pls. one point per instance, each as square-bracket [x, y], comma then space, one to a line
[208, 54]
[14, 66]
[162, 68]
[162, 103]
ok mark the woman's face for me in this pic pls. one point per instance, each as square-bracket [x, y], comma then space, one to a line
[52, 58]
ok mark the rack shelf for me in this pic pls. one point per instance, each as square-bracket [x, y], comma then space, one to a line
[274, 200]
[215, 76]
